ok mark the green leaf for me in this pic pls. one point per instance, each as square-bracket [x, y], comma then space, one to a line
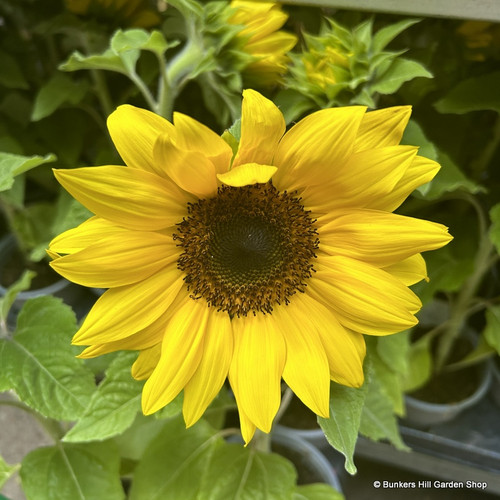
[40, 362]
[239, 473]
[11, 75]
[449, 179]
[341, 429]
[6, 471]
[482, 351]
[114, 405]
[173, 465]
[12, 165]
[420, 364]
[59, 90]
[378, 420]
[491, 332]
[108, 60]
[400, 71]
[414, 136]
[495, 226]
[389, 380]
[474, 94]
[385, 35]
[317, 492]
[72, 471]
[393, 350]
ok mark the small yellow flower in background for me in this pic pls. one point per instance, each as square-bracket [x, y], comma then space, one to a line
[267, 264]
[130, 13]
[261, 38]
[482, 39]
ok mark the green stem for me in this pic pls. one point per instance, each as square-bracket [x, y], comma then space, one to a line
[460, 309]
[143, 89]
[166, 94]
[261, 441]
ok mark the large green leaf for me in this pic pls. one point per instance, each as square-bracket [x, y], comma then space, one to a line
[420, 365]
[341, 429]
[174, 464]
[474, 94]
[378, 420]
[59, 90]
[39, 361]
[73, 471]
[238, 473]
[12, 165]
[113, 406]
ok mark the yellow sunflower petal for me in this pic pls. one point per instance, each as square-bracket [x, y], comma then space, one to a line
[421, 171]
[380, 238]
[129, 197]
[181, 353]
[365, 299]
[113, 262]
[306, 369]
[248, 428]
[249, 173]
[134, 132]
[256, 368]
[121, 312]
[367, 176]
[344, 349]
[190, 170]
[272, 44]
[87, 233]
[382, 128]
[194, 136]
[316, 147]
[145, 364]
[212, 371]
[262, 126]
[409, 271]
[145, 338]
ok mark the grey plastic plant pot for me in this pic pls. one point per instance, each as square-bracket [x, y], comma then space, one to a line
[61, 288]
[309, 454]
[422, 415]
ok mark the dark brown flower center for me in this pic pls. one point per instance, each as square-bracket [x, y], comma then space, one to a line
[247, 249]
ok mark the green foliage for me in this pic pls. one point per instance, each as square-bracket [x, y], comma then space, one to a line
[12, 165]
[341, 429]
[113, 406]
[473, 94]
[79, 471]
[39, 364]
[60, 89]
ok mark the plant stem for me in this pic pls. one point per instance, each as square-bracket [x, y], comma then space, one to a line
[261, 441]
[460, 309]
[143, 89]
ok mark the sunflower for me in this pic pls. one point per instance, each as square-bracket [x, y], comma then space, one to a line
[262, 38]
[263, 264]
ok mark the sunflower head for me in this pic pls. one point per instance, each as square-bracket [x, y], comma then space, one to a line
[261, 38]
[262, 263]
[124, 13]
